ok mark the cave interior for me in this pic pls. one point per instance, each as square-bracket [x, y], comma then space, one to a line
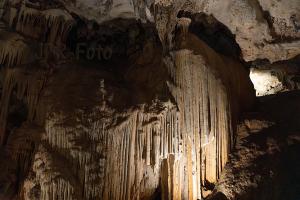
[149, 100]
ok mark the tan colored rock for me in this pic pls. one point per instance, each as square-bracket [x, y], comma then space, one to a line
[14, 49]
[275, 78]
[158, 123]
[95, 146]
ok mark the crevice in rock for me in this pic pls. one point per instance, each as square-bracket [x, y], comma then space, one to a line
[277, 38]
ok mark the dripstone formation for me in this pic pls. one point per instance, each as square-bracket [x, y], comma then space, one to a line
[129, 99]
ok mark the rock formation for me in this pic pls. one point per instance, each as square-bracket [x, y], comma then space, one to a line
[273, 78]
[129, 99]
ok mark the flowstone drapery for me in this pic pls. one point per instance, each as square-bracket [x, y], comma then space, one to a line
[158, 122]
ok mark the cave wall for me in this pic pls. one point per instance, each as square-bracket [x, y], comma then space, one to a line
[156, 123]
[273, 78]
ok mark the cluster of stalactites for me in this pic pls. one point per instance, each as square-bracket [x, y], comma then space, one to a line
[205, 118]
[2, 5]
[119, 163]
[13, 49]
[26, 87]
[50, 26]
[177, 150]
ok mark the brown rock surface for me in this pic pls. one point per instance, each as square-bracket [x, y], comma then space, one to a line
[132, 99]
[266, 160]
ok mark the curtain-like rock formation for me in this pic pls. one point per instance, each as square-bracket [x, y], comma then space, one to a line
[51, 25]
[157, 123]
[13, 48]
[209, 90]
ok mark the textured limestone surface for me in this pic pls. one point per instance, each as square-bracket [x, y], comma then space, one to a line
[129, 99]
[97, 140]
[151, 122]
[264, 29]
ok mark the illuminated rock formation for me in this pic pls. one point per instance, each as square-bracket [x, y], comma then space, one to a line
[154, 120]
[280, 77]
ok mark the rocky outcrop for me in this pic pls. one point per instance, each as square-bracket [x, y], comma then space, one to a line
[274, 78]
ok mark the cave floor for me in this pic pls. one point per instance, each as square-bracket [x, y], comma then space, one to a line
[266, 161]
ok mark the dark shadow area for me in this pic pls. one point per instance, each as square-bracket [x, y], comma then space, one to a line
[17, 114]
[112, 41]
[284, 109]
[217, 196]
[213, 33]
[265, 165]
[279, 174]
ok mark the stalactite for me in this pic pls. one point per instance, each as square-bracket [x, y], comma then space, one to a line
[132, 150]
[13, 49]
[91, 148]
[27, 88]
[130, 153]
[95, 151]
[208, 100]
[2, 6]
[184, 24]
[51, 25]
[56, 182]
[10, 15]
[92, 154]
[20, 148]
